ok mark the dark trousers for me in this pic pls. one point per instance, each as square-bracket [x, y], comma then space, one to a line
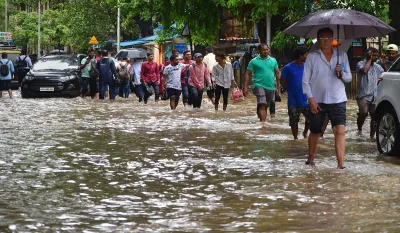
[272, 107]
[197, 96]
[91, 83]
[139, 92]
[102, 88]
[225, 95]
[156, 91]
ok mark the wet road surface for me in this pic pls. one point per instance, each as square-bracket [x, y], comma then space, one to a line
[82, 165]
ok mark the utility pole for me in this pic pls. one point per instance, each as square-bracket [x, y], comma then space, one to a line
[268, 28]
[38, 49]
[118, 27]
[6, 18]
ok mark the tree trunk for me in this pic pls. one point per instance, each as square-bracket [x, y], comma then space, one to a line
[394, 9]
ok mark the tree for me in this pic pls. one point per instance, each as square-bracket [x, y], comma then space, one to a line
[394, 9]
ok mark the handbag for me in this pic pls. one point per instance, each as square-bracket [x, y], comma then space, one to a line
[149, 92]
[164, 95]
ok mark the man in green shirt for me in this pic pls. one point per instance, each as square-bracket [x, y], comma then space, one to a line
[265, 69]
[87, 64]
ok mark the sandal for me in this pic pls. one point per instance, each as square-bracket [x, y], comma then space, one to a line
[342, 167]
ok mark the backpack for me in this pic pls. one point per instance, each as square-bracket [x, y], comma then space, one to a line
[123, 73]
[4, 70]
[93, 72]
[22, 63]
[22, 66]
[104, 69]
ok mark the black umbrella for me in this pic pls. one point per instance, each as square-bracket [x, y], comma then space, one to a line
[346, 24]
[131, 53]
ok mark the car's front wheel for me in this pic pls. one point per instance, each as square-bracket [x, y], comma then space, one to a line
[388, 132]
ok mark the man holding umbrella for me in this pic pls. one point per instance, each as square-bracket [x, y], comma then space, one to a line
[323, 83]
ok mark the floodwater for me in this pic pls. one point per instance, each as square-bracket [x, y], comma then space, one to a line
[82, 165]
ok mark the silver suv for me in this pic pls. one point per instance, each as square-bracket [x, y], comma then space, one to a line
[388, 111]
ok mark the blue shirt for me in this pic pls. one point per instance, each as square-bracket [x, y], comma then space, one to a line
[294, 84]
[10, 68]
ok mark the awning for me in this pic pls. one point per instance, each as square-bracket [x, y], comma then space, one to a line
[138, 41]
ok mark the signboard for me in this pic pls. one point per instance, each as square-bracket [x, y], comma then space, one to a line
[181, 47]
[6, 36]
[93, 40]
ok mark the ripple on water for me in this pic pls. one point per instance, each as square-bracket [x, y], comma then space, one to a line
[83, 165]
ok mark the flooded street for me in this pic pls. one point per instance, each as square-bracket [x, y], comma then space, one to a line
[82, 165]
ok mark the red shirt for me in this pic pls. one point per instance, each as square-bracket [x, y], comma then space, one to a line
[150, 72]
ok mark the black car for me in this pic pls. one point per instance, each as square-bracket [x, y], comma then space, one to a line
[51, 76]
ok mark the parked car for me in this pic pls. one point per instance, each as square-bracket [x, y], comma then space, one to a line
[388, 111]
[51, 76]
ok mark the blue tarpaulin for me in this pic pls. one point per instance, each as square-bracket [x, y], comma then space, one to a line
[138, 41]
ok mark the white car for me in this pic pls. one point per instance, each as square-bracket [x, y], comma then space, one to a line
[388, 111]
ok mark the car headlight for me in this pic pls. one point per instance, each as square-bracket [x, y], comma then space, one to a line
[29, 77]
[66, 78]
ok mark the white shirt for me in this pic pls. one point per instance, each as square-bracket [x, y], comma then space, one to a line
[173, 74]
[209, 59]
[320, 79]
[135, 71]
[223, 76]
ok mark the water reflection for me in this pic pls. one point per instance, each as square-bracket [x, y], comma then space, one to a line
[81, 165]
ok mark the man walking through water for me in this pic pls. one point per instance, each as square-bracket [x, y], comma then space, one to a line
[198, 77]
[368, 72]
[172, 81]
[210, 61]
[291, 79]
[323, 83]
[150, 75]
[107, 74]
[87, 64]
[265, 68]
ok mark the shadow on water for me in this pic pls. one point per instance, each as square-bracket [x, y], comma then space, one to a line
[81, 165]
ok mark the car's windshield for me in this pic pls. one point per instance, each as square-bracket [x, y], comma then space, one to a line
[56, 63]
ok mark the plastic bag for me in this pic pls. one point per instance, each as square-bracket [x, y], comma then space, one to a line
[237, 95]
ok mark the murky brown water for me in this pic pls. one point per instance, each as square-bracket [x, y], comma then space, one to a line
[81, 165]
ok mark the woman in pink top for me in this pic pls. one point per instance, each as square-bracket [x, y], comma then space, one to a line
[199, 75]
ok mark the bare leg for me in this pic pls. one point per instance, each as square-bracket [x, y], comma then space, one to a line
[340, 143]
[10, 93]
[360, 120]
[262, 113]
[172, 104]
[1, 94]
[312, 145]
[295, 131]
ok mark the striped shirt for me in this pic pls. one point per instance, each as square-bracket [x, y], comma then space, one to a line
[367, 82]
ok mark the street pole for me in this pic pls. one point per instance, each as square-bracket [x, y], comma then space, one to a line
[268, 28]
[118, 27]
[6, 18]
[38, 49]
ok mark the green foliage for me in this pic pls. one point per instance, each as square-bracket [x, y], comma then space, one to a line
[77, 21]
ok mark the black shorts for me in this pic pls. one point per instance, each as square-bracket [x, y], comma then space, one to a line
[294, 114]
[173, 93]
[336, 114]
[5, 85]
